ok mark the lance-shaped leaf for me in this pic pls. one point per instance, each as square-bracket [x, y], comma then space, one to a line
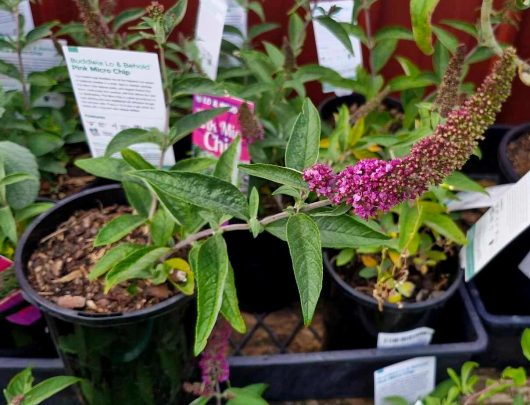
[230, 306]
[185, 125]
[304, 141]
[210, 272]
[277, 174]
[48, 388]
[118, 228]
[303, 238]
[111, 258]
[410, 219]
[226, 167]
[133, 136]
[421, 13]
[107, 168]
[444, 225]
[198, 189]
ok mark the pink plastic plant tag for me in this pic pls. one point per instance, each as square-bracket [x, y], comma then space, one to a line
[217, 134]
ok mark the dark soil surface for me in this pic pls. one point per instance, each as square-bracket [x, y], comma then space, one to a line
[58, 269]
[519, 154]
[428, 286]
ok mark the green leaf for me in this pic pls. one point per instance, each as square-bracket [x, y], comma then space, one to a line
[459, 181]
[196, 164]
[296, 33]
[244, 396]
[41, 143]
[118, 228]
[39, 32]
[226, 167]
[198, 189]
[525, 343]
[41, 79]
[401, 83]
[259, 29]
[288, 190]
[161, 227]
[17, 159]
[517, 375]
[253, 203]
[444, 225]
[107, 168]
[276, 56]
[368, 272]
[382, 53]
[480, 54]
[132, 136]
[111, 258]
[48, 388]
[346, 231]
[522, 4]
[230, 305]
[19, 384]
[135, 160]
[303, 145]
[410, 219]
[185, 125]
[277, 174]
[303, 238]
[463, 26]
[446, 38]
[9, 70]
[257, 8]
[393, 32]
[126, 17]
[211, 273]
[31, 211]
[174, 15]
[345, 256]
[337, 30]
[395, 400]
[138, 196]
[14, 178]
[421, 12]
[138, 264]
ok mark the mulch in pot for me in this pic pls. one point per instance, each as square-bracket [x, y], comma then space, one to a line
[59, 267]
[519, 154]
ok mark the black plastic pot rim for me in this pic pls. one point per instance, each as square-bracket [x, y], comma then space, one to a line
[80, 317]
[505, 164]
[406, 306]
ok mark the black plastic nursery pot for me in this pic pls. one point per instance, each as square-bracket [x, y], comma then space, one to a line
[348, 306]
[139, 357]
[331, 105]
[505, 164]
[501, 295]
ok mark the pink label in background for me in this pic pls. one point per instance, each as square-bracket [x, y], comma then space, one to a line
[4, 263]
[216, 135]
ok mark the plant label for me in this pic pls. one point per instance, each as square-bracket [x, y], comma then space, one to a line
[467, 200]
[8, 27]
[214, 137]
[411, 380]
[117, 90]
[37, 57]
[415, 337]
[236, 18]
[330, 51]
[507, 218]
[5, 263]
[209, 34]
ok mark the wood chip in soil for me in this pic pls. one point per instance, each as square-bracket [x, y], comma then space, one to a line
[59, 267]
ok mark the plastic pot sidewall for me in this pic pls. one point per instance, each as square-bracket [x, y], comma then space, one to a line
[351, 311]
[129, 342]
[505, 164]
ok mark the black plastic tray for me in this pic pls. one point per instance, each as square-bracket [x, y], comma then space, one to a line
[331, 374]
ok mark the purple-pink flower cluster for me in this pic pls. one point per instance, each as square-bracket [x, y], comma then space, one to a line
[214, 359]
[374, 185]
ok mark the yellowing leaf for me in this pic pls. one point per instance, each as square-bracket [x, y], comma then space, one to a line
[395, 257]
[369, 261]
[374, 148]
[324, 143]
[364, 154]
[394, 298]
[186, 284]
[356, 132]
[178, 263]
[406, 288]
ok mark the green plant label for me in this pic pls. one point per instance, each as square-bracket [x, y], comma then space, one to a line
[118, 90]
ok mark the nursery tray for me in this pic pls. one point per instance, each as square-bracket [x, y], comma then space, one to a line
[349, 373]
[319, 375]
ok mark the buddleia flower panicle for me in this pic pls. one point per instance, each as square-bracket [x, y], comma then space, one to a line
[155, 10]
[95, 24]
[370, 105]
[214, 358]
[447, 96]
[374, 185]
[251, 128]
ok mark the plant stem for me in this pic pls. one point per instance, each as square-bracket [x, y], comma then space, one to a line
[369, 38]
[242, 227]
[165, 80]
[487, 35]
[474, 398]
[22, 77]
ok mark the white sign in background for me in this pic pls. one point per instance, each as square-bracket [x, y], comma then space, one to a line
[117, 90]
[507, 218]
[7, 20]
[330, 51]
[209, 32]
[237, 17]
[411, 379]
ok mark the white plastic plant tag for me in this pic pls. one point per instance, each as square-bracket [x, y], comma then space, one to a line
[236, 17]
[508, 217]
[415, 337]
[37, 57]
[209, 33]
[468, 200]
[117, 90]
[7, 20]
[330, 51]
[411, 380]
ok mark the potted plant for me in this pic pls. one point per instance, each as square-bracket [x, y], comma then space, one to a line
[513, 153]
